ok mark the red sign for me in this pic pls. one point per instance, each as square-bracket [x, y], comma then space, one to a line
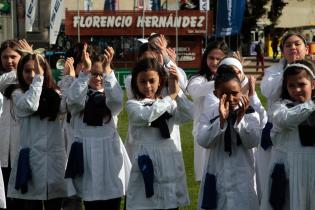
[109, 23]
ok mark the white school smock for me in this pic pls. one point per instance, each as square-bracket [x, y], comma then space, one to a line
[182, 82]
[170, 187]
[67, 127]
[2, 191]
[299, 160]
[270, 88]
[106, 163]
[1, 103]
[198, 88]
[234, 174]
[47, 148]
[9, 125]
[272, 82]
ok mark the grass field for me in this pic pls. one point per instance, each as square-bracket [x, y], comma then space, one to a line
[187, 147]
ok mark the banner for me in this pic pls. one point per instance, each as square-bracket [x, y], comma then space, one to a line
[110, 5]
[56, 14]
[88, 5]
[154, 5]
[229, 17]
[30, 10]
[204, 5]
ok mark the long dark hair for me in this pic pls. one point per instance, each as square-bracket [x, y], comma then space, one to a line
[204, 69]
[294, 70]
[12, 44]
[49, 81]
[76, 53]
[144, 65]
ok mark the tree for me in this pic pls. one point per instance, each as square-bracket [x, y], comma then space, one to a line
[276, 11]
[254, 10]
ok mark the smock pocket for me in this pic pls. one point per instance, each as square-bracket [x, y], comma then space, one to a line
[23, 173]
[75, 165]
[278, 187]
[209, 199]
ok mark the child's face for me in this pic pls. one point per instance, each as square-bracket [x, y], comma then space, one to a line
[294, 49]
[213, 58]
[148, 83]
[232, 89]
[299, 87]
[28, 72]
[10, 59]
[96, 80]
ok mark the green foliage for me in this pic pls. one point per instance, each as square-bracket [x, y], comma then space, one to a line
[5, 7]
[254, 10]
[276, 10]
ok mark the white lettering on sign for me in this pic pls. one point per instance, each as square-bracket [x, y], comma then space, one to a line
[102, 21]
[187, 56]
[142, 21]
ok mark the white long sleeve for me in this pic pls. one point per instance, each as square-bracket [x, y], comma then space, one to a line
[271, 83]
[6, 79]
[27, 103]
[290, 118]
[77, 93]
[1, 103]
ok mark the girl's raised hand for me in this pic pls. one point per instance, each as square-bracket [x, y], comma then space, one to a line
[237, 54]
[38, 69]
[24, 45]
[161, 42]
[252, 85]
[224, 109]
[109, 55]
[69, 68]
[86, 60]
[172, 54]
[173, 86]
[244, 104]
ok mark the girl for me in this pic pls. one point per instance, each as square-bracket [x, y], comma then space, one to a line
[69, 75]
[199, 86]
[291, 182]
[2, 191]
[166, 57]
[94, 99]
[229, 132]
[9, 127]
[248, 84]
[157, 179]
[37, 173]
[293, 47]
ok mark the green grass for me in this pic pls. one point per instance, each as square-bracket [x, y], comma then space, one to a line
[188, 149]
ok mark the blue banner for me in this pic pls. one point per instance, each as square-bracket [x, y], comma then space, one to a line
[155, 5]
[110, 5]
[229, 17]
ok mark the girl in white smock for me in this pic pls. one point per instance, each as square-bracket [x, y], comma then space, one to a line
[157, 179]
[293, 47]
[229, 130]
[199, 86]
[248, 84]
[101, 175]
[38, 172]
[291, 174]
[2, 191]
